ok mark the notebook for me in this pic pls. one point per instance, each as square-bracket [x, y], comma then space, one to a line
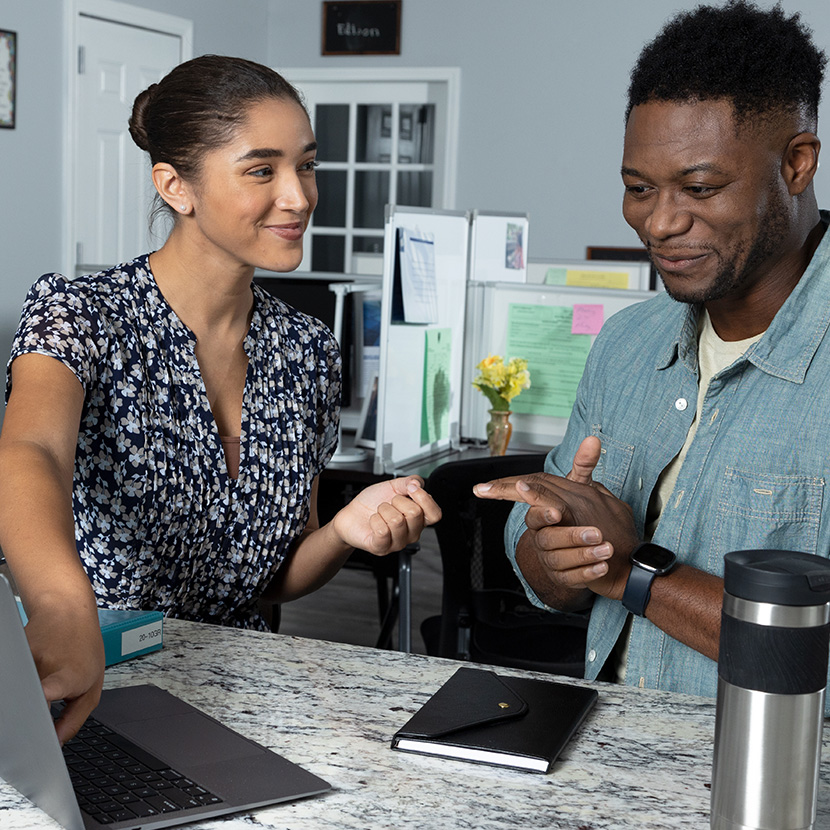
[188, 766]
[480, 716]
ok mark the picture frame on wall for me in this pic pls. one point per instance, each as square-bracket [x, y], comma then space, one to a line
[8, 78]
[362, 27]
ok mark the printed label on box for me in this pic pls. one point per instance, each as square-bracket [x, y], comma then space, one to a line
[137, 639]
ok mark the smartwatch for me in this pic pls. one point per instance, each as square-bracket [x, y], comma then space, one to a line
[647, 562]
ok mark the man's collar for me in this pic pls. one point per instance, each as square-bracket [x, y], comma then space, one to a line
[789, 344]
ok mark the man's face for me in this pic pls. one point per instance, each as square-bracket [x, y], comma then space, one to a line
[707, 200]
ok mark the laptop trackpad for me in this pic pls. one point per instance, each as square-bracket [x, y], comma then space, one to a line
[188, 739]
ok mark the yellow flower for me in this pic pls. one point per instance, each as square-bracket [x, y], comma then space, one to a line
[501, 383]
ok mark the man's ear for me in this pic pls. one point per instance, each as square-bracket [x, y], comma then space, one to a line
[172, 187]
[800, 162]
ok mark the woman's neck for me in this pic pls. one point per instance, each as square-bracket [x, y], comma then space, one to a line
[207, 295]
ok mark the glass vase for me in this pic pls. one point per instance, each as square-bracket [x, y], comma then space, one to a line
[499, 430]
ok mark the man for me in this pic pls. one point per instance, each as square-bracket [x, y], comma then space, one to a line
[702, 422]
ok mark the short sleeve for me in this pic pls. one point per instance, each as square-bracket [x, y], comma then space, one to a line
[58, 322]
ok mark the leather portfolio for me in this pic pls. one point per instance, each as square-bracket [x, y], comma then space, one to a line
[480, 716]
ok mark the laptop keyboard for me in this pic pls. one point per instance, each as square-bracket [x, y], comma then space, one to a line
[115, 780]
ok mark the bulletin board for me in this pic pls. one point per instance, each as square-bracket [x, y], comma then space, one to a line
[551, 326]
[420, 377]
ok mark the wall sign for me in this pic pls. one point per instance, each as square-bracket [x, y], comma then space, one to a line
[8, 67]
[362, 27]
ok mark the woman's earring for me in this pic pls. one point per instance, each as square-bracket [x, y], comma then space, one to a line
[183, 208]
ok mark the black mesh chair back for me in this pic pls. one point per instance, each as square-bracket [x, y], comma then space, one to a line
[485, 614]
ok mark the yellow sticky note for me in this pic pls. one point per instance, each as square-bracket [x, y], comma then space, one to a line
[597, 279]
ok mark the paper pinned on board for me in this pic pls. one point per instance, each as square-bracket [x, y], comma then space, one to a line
[588, 318]
[435, 412]
[556, 357]
[586, 278]
[419, 284]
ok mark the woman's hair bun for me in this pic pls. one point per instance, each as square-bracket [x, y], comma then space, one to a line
[138, 120]
[198, 106]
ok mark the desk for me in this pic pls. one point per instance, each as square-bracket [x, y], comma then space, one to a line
[641, 761]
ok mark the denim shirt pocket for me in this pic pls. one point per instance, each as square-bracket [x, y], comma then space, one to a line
[766, 511]
[614, 461]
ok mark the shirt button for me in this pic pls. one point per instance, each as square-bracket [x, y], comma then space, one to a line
[592, 655]
[680, 404]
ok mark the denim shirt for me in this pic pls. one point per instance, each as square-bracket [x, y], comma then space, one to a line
[754, 476]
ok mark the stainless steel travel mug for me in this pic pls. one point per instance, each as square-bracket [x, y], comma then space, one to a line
[772, 674]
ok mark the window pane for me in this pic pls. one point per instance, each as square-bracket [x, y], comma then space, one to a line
[328, 253]
[331, 126]
[374, 132]
[368, 244]
[367, 255]
[331, 207]
[415, 189]
[370, 198]
[416, 136]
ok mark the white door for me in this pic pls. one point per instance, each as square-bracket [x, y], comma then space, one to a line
[112, 190]
[384, 138]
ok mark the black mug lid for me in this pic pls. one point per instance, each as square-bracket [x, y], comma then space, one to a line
[783, 577]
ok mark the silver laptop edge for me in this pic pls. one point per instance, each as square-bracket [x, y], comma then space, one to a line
[32, 760]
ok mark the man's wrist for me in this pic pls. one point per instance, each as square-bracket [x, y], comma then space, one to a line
[648, 561]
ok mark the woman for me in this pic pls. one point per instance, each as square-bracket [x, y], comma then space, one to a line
[166, 419]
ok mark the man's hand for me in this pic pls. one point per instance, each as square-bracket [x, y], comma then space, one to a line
[387, 516]
[579, 534]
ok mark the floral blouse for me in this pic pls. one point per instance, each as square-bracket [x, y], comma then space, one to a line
[159, 523]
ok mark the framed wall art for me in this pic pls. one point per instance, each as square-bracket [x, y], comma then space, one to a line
[8, 71]
[362, 27]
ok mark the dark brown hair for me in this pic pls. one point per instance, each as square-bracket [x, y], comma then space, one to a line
[198, 106]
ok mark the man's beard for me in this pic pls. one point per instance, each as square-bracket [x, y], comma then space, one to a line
[732, 279]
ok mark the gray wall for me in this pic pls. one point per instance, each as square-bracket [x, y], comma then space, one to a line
[31, 169]
[542, 99]
[542, 96]
[30, 159]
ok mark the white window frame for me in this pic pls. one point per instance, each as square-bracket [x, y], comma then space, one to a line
[450, 77]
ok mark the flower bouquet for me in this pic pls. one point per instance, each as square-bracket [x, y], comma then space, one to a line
[501, 383]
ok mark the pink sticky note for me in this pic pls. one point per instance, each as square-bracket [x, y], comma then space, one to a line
[587, 319]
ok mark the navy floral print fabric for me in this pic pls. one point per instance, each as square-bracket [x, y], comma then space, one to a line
[159, 523]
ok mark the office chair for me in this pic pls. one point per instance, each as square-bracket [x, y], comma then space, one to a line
[485, 614]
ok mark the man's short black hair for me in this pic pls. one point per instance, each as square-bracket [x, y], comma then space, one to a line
[762, 60]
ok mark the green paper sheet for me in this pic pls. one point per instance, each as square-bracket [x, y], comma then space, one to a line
[556, 358]
[435, 413]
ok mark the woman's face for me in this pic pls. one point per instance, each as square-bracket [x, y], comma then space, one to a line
[255, 195]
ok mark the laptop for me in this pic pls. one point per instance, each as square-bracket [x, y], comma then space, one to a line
[145, 758]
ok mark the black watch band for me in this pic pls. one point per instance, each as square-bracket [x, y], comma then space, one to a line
[648, 561]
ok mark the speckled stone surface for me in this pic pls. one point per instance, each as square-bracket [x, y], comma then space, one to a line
[642, 759]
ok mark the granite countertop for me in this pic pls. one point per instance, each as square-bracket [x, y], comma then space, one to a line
[641, 760]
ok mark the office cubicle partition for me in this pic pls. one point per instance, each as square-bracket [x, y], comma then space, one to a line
[439, 319]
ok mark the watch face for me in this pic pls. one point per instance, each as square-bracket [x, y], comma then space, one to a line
[653, 557]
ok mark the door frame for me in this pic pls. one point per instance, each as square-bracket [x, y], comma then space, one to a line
[449, 75]
[116, 12]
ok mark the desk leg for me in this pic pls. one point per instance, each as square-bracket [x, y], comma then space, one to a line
[405, 600]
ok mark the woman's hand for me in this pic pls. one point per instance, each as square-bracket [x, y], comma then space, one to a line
[387, 516]
[69, 656]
